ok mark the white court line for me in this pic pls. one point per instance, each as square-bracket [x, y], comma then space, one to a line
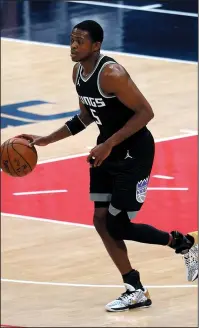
[39, 192]
[62, 158]
[30, 282]
[51, 160]
[108, 52]
[165, 188]
[57, 159]
[158, 5]
[69, 157]
[191, 132]
[61, 191]
[176, 137]
[31, 218]
[115, 5]
[158, 176]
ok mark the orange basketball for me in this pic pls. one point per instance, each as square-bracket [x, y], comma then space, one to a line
[17, 158]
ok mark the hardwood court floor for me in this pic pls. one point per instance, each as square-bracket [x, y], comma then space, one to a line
[37, 254]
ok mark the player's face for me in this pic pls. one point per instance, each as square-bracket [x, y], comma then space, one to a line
[82, 46]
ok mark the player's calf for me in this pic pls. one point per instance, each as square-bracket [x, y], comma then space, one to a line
[121, 228]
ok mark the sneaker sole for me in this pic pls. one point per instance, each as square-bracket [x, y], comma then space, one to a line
[192, 278]
[144, 304]
[195, 277]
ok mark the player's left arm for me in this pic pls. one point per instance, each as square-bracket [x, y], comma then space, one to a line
[114, 79]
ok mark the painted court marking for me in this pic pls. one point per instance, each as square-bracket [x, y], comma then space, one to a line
[144, 8]
[39, 192]
[31, 218]
[30, 282]
[165, 188]
[61, 191]
[16, 216]
[162, 177]
[192, 132]
[51, 160]
[157, 5]
[10, 326]
[56, 159]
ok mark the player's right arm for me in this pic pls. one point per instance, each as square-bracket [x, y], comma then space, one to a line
[71, 127]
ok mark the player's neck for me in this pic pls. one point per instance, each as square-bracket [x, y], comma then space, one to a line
[90, 64]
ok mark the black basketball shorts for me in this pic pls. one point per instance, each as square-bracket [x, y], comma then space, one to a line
[123, 184]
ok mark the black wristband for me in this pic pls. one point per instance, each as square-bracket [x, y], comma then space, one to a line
[75, 125]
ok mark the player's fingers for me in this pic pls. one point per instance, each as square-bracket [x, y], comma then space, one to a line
[20, 136]
[35, 142]
[38, 142]
[31, 144]
[100, 161]
[91, 158]
[88, 159]
[97, 162]
[25, 136]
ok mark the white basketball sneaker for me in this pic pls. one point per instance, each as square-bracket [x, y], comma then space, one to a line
[132, 298]
[191, 263]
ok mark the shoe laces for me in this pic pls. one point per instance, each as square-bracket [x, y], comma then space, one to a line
[125, 295]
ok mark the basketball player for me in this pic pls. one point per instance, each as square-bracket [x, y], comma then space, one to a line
[121, 162]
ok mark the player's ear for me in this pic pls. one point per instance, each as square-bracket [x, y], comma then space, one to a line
[96, 46]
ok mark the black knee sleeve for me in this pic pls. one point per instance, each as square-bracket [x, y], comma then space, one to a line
[117, 225]
[120, 228]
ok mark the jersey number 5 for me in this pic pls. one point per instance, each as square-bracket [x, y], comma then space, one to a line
[97, 119]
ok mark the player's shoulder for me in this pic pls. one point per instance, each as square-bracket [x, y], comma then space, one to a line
[113, 69]
[75, 69]
[110, 67]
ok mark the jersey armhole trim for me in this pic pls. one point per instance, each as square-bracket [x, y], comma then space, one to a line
[76, 78]
[98, 83]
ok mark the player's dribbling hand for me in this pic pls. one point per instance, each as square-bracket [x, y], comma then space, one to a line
[98, 154]
[35, 140]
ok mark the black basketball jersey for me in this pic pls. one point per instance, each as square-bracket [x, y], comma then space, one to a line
[109, 113]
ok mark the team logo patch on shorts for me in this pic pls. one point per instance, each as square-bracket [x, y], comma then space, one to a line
[141, 190]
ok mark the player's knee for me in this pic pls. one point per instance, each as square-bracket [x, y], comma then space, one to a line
[112, 226]
[99, 220]
[116, 224]
[98, 223]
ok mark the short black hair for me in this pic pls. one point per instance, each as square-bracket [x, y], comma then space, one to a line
[93, 28]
